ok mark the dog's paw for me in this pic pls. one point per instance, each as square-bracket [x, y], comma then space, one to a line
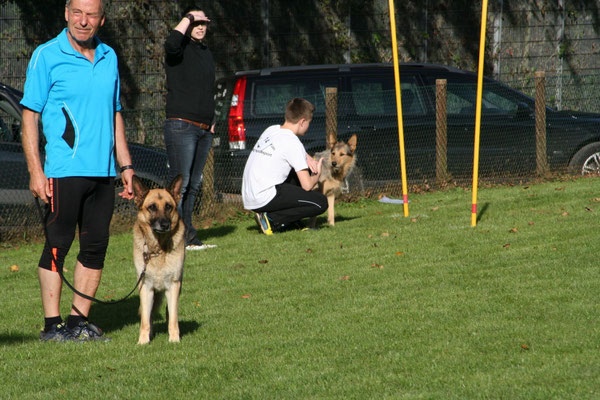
[143, 341]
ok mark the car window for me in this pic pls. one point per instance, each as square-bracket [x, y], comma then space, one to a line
[377, 96]
[10, 125]
[271, 96]
[462, 99]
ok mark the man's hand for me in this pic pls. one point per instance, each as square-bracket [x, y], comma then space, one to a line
[314, 166]
[126, 178]
[40, 187]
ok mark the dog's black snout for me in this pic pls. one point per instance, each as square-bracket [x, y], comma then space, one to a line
[161, 225]
[165, 224]
[333, 164]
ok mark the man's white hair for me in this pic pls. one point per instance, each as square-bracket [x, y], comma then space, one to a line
[68, 3]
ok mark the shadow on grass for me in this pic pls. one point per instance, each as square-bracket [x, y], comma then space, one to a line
[217, 231]
[482, 211]
[185, 327]
[8, 339]
[113, 317]
[320, 223]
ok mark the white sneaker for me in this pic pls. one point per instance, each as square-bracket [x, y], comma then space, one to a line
[203, 246]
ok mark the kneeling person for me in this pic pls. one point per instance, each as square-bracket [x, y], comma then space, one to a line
[279, 175]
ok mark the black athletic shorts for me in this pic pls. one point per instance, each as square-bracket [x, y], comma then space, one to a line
[84, 202]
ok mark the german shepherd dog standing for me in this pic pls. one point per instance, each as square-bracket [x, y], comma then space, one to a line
[338, 162]
[159, 249]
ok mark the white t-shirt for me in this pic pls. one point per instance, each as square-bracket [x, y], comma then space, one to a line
[276, 152]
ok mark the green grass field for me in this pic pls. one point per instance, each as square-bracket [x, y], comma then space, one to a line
[381, 306]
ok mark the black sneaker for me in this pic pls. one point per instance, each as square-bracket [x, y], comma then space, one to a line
[87, 332]
[57, 333]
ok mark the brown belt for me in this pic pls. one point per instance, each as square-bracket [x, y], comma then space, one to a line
[200, 124]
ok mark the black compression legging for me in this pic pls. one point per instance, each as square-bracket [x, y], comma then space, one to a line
[86, 202]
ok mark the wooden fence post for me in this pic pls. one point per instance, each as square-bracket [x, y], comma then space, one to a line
[541, 157]
[331, 101]
[441, 132]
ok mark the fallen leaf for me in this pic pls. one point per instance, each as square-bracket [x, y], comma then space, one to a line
[435, 208]
[197, 304]
[555, 248]
[524, 347]
[308, 250]
[506, 246]
[413, 220]
[565, 214]
[378, 212]
[341, 246]
[14, 268]
[588, 209]
[399, 253]
[375, 245]
[385, 234]
[375, 265]
[514, 230]
[531, 223]
[370, 236]
[246, 296]
[596, 199]
[263, 261]
[559, 188]
[344, 278]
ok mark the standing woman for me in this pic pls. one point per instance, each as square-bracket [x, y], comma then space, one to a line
[190, 111]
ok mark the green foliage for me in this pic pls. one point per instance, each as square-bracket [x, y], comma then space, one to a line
[380, 306]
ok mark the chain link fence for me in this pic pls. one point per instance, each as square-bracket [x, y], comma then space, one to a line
[438, 125]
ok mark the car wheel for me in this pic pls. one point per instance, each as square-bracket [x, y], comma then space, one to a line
[586, 160]
[353, 183]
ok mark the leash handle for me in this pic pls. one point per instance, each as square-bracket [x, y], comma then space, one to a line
[60, 267]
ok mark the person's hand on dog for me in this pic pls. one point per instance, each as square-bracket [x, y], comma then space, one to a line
[126, 178]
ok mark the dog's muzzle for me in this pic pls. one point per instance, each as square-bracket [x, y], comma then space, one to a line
[161, 225]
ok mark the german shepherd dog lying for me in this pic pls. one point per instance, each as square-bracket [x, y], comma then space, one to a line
[159, 249]
[338, 162]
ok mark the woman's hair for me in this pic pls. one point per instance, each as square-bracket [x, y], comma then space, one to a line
[299, 108]
[193, 7]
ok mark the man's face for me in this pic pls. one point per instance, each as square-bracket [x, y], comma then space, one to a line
[84, 18]
[198, 29]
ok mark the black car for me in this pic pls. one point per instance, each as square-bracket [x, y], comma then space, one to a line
[150, 163]
[250, 101]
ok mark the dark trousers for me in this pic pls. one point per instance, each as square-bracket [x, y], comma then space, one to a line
[292, 203]
[187, 148]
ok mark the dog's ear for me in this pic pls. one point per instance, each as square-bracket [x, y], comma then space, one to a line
[174, 188]
[139, 190]
[331, 141]
[352, 143]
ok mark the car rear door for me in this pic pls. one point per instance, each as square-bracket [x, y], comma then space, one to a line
[369, 109]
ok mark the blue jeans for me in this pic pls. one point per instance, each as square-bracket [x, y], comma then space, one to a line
[187, 149]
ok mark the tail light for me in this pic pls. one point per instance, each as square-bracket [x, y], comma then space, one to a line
[237, 130]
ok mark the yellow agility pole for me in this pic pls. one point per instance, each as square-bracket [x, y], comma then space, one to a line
[399, 107]
[478, 113]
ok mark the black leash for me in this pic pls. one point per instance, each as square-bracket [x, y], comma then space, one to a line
[60, 267]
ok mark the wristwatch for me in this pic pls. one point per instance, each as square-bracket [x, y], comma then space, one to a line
[190, 16]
